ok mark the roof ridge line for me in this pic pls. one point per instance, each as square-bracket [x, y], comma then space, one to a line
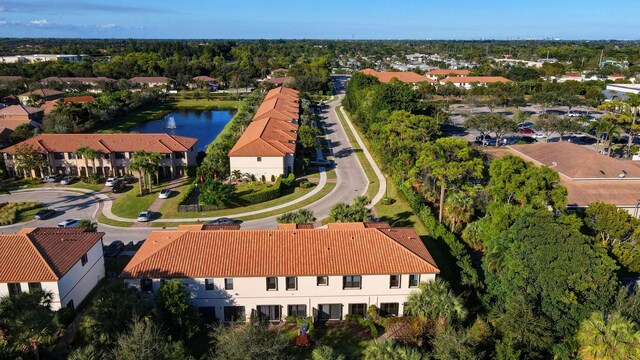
[406, 248]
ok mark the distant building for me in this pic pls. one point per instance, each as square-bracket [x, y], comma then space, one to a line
[468, 82]
[92, 81]
[14, 115]
[38, 57]
[44, 94]
[67, 262]
[268, 145]
[116, 152]
[205, 82]
[442, 73]
[150, 82]
[588, 175]
[325, 273]
[406, 77]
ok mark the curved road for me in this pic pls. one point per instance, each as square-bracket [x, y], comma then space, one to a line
[351, 182]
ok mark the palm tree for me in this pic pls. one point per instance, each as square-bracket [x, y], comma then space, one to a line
[236, 174]
[301, 216]
[634, 103]
[153, 160]
[459, 208]
[435, 302]
[138, 164]
[325, 352]
[600, 128]
[82, 152]
[608, 337]
[380, 349]
[612, 131]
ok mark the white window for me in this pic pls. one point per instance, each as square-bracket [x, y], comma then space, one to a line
[323, 280]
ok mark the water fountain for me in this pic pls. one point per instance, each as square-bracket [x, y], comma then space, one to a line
[170, 123]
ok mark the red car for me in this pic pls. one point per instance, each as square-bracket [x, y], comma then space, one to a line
[527, 131]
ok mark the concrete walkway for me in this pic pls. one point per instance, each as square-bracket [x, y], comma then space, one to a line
[381, 178]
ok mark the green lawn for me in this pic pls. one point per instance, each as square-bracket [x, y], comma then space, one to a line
[130, 204]
[83, 185]
[26, 215]
[374, 184]
[104, 220]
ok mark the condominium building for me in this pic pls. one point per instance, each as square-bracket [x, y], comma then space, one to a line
[292, 271]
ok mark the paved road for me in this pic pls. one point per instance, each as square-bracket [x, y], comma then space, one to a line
[71, 206]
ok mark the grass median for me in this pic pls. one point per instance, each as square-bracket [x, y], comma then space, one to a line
[129, 204]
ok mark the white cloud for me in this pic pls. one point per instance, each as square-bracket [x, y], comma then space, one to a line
[107, 26]
[2, 22]
[1, 8]
[39, 22]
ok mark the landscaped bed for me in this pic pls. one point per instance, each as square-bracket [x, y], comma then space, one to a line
[11, 213]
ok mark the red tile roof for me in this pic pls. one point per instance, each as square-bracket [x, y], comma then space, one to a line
[42, 255]
[15, 110]
[107, 143]
[149, 80]
[387, 76]
[272, 132]
[78, 99]
[292, 252]
[476, 79]
[203, 78]
[43, 92]
[84, 80]
[448, 72]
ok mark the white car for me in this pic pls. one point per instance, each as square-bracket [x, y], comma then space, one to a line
[144, 216]
[69, 223]
[67, 180]
[538, 136]
[111, 181]
[164, 194]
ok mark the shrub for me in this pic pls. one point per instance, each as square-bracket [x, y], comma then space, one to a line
[263, 178]
[269, 193]
[191, 171]
[188, 193]
[388, 201]
[305, 184]
[289, 181]
[273, 178]
[64, 317]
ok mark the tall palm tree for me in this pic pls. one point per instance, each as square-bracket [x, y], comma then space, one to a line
[600, 128]
[435, 302]
[612, 131]
[138, 163]
[608, 337]
[634, 104]
[153, 160]
[88, 153]
[459, 208]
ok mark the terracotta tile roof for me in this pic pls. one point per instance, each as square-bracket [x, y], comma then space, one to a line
[49, 105]
[387, 76]
[295, 226]
[203, 78]
[149, 79]
[474, 79]
[620, 193]
[279, 81]
[577, 162]
[15, 110]
[448, 72]
[106, 143]
[298, 252]
[272, 132]
[208, 227]
[43, 92]
[78, 99]
[84, 80]
[42, 255]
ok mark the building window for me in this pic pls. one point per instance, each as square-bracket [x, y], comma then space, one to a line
[35, 286]
[167, 156]
[71, 156]
[228, 283]
[323, 280]
[297, 310]
[329, 312]
[207, 312]
[269, 312]
[394, 281]
[208, 284]
[14, 289]
[389, 309]
[58, 156]
[130, 155]
[272, 283]
[179, 155]
[146, 285]
[259, 159]
[358, 309]
[414, 280]
[292, 283]
[78, 156]
[234, 313]
[352, 282]
[120, 155]
[105, 156]
[84, 259]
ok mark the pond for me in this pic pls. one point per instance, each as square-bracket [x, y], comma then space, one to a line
[205, 125]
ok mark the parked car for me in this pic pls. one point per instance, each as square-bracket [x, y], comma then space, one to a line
[144, 216]
[528, 140]
[67, 180]
[525, 125]
[114, 249]
[527, 131]
[44, 214]
[538, 136]
[118, 187]
[53, 178]
[128, 179]
[111, 181]
[69, 223]
[164, 194]
[479, 138]
[222, 221]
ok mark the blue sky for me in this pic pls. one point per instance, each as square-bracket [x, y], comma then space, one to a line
[327, 19]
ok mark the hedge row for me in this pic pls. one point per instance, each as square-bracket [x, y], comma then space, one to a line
[469, 275]
[9, 212]
[186, 196]
[267, 194]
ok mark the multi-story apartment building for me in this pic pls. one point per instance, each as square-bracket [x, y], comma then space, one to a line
[116, 152]
[67, 262]
[325, 273]
[268, 145]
